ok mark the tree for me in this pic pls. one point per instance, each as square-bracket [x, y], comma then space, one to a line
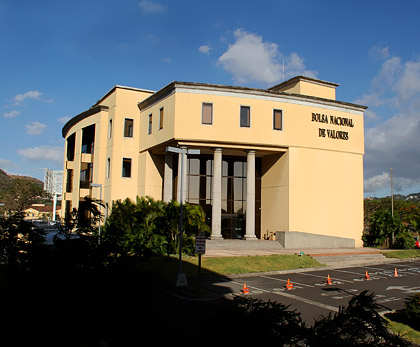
[23, 193]
[382, 227]
[20, 242]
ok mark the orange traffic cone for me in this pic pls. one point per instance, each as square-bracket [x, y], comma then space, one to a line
[367, 276]
[329, 281]
[395, 273]
[245, 290]
[289, 285]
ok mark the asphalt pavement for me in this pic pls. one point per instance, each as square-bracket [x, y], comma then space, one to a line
[390, 280]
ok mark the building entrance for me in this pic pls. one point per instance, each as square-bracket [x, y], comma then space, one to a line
[199, 191]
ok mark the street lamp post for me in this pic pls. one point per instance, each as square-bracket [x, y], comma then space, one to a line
[55, 205]
[181, 279]
[96, 185]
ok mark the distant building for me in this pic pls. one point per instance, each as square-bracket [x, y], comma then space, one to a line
[40, 212]
[53, 182]
[284, 162]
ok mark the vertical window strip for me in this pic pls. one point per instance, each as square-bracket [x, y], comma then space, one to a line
[245, 116]
[161, 118]
[150, 123]
[207, 113]
[277, 119]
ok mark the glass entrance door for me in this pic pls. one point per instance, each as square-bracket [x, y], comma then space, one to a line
[199, 185]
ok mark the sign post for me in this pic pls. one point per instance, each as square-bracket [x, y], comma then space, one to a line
[200, 248]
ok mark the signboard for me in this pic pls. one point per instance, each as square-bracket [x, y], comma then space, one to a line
[200, 244]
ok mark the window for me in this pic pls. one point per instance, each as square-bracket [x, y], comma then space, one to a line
[110, 129]
[277, 119]
[108, 167]
[126, 167]
[245, 116]
[150, 123]
[161, 118]
[71, 144]
[128, 127]
[69, 183]
[207, 114]
[88, 139]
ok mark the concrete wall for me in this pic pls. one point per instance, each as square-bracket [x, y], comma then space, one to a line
[300, 240]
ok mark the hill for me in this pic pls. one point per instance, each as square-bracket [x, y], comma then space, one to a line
[6, 181]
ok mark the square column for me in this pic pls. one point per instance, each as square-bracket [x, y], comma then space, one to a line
[182, 176]
[250, 196]
[167, 178]
[216, 218]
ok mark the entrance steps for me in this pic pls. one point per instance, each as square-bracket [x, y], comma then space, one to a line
[339, 259]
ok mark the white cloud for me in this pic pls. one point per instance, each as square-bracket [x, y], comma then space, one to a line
[5, 164]
[393, 141]
[150, 7]
[63, 120]
[41, 153]
[205, 49]
[32, 94]
[250, 59]
[379, 52]
[11, 114]
[35, 128]
[166, 60]
[383, 181]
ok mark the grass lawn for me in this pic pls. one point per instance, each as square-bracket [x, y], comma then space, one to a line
[395, 323]
[403, 253]
[231, 265]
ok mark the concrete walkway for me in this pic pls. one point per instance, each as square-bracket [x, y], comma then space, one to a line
[328, 256]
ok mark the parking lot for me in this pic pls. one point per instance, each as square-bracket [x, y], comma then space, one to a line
[312, 296]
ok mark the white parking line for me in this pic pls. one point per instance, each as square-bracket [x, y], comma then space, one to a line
[333, 278]
[279, 279]
[307, 301]
[294, 297]
[352, 272]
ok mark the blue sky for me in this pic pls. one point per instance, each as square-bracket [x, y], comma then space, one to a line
[57, 58]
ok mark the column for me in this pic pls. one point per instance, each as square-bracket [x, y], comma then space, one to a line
[216, 218]
[250, 196]
[167, 178]
[183, 177]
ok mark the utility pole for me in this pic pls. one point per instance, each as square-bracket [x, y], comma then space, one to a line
[392, 194]
[392, 203]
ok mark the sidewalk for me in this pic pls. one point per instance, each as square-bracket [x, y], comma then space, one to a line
[328, 256]
[231, 248]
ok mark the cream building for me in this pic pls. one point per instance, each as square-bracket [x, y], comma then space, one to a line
[284, 162]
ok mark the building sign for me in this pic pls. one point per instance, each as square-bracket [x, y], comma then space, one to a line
[333, 120]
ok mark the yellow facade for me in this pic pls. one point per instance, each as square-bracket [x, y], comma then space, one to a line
[308, 166]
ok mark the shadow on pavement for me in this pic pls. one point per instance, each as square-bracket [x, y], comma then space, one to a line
[116, 306]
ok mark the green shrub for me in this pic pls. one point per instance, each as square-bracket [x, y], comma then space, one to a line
[404, 240]
[412, 311]
[382, 226]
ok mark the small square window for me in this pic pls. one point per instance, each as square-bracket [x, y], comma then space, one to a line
[150, 124]
[126, 167]
[128, 127]
[245, 116]
[207, 114]
[277, 119]
[161, 118]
